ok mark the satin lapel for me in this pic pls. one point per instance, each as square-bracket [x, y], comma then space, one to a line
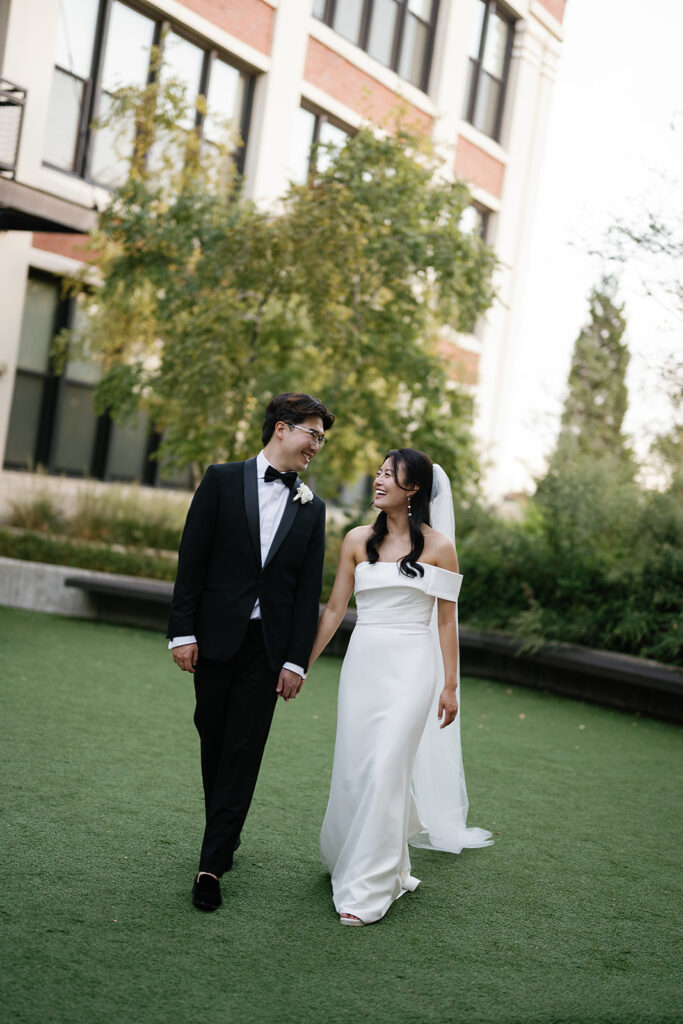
[288, 517]
[251, 506]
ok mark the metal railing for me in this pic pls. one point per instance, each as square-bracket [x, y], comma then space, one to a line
[12, 101]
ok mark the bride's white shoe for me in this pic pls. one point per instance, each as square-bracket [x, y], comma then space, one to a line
[352, 920]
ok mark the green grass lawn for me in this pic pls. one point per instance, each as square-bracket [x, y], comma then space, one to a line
[569, 917]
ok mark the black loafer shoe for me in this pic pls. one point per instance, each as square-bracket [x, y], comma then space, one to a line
[206, 892]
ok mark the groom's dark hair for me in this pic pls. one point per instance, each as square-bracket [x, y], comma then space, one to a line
[293, 407]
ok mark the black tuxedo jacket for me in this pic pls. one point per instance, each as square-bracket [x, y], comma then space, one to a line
[220, 575]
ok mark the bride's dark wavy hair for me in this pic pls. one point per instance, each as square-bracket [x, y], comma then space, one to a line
[418, 472]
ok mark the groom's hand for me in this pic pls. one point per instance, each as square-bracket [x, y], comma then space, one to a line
[186, 656]
[288, 684]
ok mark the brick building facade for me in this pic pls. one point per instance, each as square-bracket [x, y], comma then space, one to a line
[476, 74]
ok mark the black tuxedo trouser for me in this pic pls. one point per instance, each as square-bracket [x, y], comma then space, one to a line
[235, 704]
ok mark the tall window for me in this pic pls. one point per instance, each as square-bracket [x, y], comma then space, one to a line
[53, 422]
[398, 33]
[489, 62]
[475, 220]
[308, 129]
[103, 44]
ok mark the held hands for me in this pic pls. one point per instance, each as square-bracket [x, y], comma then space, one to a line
[288, 684]
[448, 707]
[186, 656]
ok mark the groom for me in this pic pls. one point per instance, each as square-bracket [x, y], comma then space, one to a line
[245, 610]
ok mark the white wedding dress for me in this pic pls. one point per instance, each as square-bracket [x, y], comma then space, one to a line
[396, 775]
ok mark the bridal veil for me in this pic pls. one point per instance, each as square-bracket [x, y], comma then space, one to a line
[438, 782]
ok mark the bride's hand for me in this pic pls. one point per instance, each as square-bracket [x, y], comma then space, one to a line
[448, 707]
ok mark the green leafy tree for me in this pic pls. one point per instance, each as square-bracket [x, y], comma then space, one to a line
[666, 450]
[206, 305]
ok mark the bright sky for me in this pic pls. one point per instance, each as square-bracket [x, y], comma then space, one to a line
[610, 149]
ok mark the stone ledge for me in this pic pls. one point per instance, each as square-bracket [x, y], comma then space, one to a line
[616, 680]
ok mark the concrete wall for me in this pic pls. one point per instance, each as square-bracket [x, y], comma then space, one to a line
[41, 588]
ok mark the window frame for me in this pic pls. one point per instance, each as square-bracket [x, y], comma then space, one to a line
[485, 218]
[51, 398]
[93, 85]
[320, 117]
[399, 31]
[508, 18]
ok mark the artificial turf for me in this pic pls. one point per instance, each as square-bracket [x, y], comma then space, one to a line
[570, 917]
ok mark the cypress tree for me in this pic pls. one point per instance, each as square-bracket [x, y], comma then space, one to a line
[597, 397]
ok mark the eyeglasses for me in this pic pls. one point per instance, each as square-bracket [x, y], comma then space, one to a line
[318, 439]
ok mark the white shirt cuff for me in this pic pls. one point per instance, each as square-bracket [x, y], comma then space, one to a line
[179, 641]
[295, 668]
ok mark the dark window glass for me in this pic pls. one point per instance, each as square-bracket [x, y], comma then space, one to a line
[126, 62]
[71, 75]
[183, 61]
[32, 385]
[398, 33]
[309, 129]
[329, 135]
[53, 422]
[383, 21]
[38, 324]
[226, 98]
[224, 101]
[348, 18]
[173, 477]
[24, 417]
[127, 449]
[489, 60]
[75, 427]
[413, 49]
[76, 35]
[90, 65]
[475, 220]
[64, 120]
[301, 140]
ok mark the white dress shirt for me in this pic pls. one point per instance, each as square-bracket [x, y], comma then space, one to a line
[272, 499]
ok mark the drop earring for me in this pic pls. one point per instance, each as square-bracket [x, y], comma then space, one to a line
[409, 512]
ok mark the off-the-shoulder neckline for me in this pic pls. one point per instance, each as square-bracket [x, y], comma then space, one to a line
[426, 565]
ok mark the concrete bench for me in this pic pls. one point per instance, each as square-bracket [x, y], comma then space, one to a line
[126, 600]
[615, 680]
[602, 677]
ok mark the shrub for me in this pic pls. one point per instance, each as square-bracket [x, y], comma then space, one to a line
[596, 561]
[112, 517]
[117, 518]
[39, 513]
[32, 546]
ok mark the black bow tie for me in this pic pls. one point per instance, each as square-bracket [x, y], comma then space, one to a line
[288, 479]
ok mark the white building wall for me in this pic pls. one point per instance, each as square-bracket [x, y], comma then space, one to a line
[533, 63]
[29, 27]
[278, 95]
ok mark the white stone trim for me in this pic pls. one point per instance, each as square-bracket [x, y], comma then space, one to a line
[487, 199]
[326, 103]
[364, 62]
[538, 11]
[467, 342]
[231, 44]
[482, 141]
[53, 263]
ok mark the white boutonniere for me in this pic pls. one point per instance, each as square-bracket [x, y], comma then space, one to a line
[303, 494]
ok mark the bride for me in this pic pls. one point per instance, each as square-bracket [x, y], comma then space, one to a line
[397, 772]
